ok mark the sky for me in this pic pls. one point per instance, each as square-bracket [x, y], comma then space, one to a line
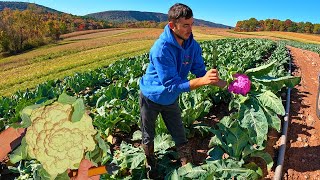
[226, 12]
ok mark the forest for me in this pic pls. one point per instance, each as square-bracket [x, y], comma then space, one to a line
[277, 25]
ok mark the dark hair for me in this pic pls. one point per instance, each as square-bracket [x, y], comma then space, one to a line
[179, 10]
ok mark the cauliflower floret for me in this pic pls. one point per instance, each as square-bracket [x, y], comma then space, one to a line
[241, 85]
[55, 141]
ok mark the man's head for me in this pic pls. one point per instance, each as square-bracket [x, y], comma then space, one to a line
[180, 19]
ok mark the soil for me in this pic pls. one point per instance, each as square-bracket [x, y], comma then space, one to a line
[302, 158]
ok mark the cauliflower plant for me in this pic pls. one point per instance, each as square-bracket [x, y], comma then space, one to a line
[57, 142]
[241, 85]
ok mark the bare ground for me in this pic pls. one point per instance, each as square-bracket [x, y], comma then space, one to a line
[302, 158]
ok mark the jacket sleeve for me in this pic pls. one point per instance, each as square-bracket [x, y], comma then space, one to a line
[198, 68]
[166, 68]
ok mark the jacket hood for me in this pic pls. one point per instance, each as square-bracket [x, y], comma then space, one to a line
[168, 37]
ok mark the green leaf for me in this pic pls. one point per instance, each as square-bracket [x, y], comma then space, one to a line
[202, 129]
[254, 120]
[20, 153]
[273, 120]
[25, 116]
[239, 140]
[254, 167]
[63, 176]
[162, 143]
[137, 135]
[101, 154]
[265, 156]
[270, 100]
[78, 110]
[182, 171]
[42, 174]
[215, 153]
[123, 126]
[228, 168]
[261, 70]
[275, 84]
[66, 99]
[173, 176]
[129, 156]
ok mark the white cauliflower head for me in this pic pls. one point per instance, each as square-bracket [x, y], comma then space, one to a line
[57, 142]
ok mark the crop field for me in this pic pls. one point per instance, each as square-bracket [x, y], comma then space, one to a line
[78, 52]
[103, 69]
[305, 38]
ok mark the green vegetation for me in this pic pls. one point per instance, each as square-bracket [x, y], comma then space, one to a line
[34, 27]
[253, 24]
[75, 54]
[111, 94]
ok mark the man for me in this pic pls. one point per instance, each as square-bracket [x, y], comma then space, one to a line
[172, 57]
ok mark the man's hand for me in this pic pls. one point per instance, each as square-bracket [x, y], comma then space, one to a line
[84, 167]
[9, 140]
[211, 77]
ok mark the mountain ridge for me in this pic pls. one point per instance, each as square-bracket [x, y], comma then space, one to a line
[118, 16]
[23, 6]
[134, 16]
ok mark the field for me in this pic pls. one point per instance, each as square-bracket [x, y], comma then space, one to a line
[84, 52]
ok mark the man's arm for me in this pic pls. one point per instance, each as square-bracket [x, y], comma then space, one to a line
[211, 77]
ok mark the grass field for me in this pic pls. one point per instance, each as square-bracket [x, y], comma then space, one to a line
[85, 50]
[304, 38]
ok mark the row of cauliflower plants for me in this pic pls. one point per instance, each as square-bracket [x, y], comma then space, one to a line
[113, 103]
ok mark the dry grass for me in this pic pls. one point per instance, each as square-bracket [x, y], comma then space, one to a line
[301, 37]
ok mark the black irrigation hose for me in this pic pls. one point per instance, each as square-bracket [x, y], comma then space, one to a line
[283, 140]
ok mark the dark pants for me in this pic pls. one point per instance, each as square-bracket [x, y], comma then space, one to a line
[171, 116]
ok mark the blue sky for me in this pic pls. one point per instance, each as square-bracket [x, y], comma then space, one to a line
[226, 12]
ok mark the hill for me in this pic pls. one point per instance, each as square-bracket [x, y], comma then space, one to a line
[23, 6]
[133, 16]
[113, 16]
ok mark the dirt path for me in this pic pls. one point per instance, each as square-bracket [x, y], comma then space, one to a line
[302, 158]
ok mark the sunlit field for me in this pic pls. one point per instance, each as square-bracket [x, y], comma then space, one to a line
[88, 50]
[301, 37]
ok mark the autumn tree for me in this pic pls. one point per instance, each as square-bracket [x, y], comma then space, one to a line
[308, 27]
[276, 25]
[21, 30]
[316, 28]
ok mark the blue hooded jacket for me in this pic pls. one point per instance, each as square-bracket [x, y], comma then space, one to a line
[166, 76]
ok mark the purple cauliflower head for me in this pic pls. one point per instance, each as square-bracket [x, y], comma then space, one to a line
[241, 85]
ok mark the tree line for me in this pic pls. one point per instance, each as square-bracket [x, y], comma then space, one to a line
[276, 25]
[33, 27]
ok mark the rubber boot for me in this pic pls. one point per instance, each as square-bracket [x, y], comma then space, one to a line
[151, 160]
[184, 153]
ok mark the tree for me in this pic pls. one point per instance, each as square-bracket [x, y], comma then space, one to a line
[239, 26]
[282, 26]
[293, 27]
[275, 25]
[300, 27]
[253, 24]
[268, 24]
[316, 29]
[287, 24]
[261, 25]
[21, 30]
[308, 27]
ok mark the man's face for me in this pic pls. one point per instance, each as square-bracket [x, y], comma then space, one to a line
[182, 28]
